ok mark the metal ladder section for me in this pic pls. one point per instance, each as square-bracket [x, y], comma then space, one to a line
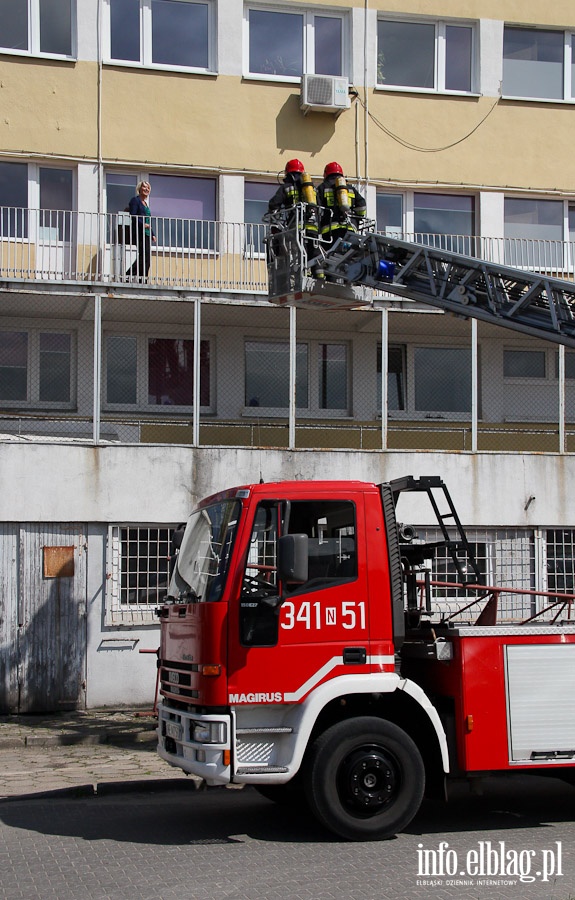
[428, 484]
[467, 286]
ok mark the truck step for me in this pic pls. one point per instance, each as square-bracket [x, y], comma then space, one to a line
[260, 770]
[265, 729]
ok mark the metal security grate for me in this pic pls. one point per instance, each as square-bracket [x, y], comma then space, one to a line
[560, 547]
[138, 566]
[505, 556]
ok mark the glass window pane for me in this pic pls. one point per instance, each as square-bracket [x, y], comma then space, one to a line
[56, 26]
[14, 194]
[389, 213]
[180, 33]
[524, 363]
[14, 29]
[56, 197]
[125, 29]
[256, 197]
[267, 374]
[119, 191]
[170, 372]
[406, 54]
[395, 378]
[13, 365]
[533, 63]
[184, 211]
[573, 65]
[442, 379]
[276, 43]
[332, 374]
[55, 361]
[458, 58]
[535, 219]
[450, 216]
[121, 369]
[534, 232]
[328, 45]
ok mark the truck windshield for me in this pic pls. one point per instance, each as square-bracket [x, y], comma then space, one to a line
[202, 562]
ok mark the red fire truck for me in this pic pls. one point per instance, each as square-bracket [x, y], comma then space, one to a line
[307, 650]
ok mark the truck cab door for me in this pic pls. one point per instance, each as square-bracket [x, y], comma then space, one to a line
[287, 631]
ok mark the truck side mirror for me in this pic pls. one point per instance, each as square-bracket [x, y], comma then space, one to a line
[293, 558]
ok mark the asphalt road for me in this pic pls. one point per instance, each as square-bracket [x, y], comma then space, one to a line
[517, 840]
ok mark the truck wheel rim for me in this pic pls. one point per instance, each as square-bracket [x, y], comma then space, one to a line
[368, 780]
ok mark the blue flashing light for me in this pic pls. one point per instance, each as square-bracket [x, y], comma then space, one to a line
[385, 270]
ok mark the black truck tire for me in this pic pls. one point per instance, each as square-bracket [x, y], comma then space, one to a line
[365, 779]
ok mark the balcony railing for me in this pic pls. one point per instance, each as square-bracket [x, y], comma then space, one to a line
[199, 255]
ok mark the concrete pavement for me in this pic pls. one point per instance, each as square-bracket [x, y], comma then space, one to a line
[83, 753]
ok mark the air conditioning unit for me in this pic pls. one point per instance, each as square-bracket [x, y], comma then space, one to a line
[324, 93]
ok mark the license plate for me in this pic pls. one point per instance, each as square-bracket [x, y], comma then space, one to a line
[174, 730]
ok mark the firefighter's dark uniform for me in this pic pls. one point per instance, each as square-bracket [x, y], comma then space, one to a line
[288, 196]
[335, 220]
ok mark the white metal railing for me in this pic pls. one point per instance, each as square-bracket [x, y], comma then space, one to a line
[56, 245]
[60, 245]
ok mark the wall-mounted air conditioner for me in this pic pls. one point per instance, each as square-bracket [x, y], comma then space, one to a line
[324, 93]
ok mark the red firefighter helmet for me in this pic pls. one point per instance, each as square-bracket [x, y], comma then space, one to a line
[294, 165]
[332, 168]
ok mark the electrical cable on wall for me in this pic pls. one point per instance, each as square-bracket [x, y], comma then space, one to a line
[411, 146]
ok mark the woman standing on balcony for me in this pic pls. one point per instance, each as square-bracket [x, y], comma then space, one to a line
[142, 232]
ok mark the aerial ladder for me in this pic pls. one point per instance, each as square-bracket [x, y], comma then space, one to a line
[364, 263]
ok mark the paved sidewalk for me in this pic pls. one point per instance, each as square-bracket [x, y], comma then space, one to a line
[87, 752]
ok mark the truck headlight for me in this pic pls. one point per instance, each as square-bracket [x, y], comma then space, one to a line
[209, 732]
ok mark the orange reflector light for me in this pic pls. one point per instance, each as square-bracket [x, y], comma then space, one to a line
[227, 755]
[468, 723]
[212, 670]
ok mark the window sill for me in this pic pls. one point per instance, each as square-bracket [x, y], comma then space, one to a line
[273, 79]
[131, 618]
[159, 67]
[30, 54]
[562, 101]
[432, 92]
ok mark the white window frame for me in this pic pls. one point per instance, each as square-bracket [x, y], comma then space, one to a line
[568, 60]
[313, 409]
[439, 55]
[142, 375]
[33, 203]
[146, 55]
[116, 612]
[187, 252]
[566, 248]
[308, 16]
[34, 35]
[32, 400]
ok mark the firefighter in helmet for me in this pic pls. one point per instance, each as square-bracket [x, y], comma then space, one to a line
[295, 188]
[298, 188]
[341, 205]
